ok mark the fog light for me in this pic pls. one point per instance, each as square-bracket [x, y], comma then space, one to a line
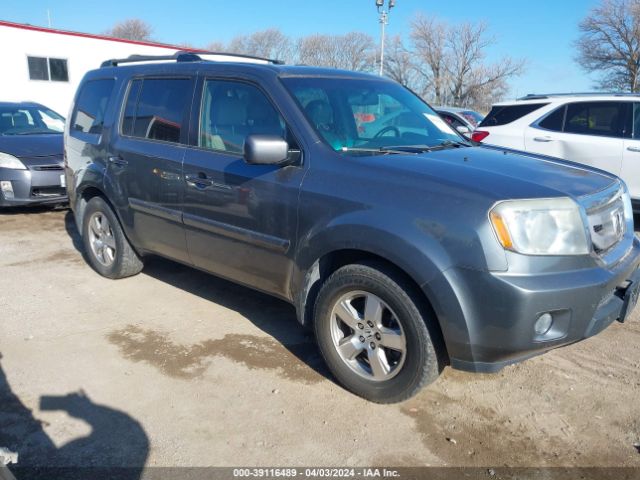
[543, 324]
[7, 189]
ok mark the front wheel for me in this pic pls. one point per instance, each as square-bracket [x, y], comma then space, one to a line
[373, 335]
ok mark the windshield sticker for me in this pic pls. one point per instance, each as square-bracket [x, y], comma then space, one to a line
[438, 122]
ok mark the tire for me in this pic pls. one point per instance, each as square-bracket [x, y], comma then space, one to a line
[398, 374]
[107, 249]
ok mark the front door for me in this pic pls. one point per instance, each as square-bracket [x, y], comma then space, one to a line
[240, 219]
[146, 163]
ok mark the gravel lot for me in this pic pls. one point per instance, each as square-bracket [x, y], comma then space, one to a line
[177, 368]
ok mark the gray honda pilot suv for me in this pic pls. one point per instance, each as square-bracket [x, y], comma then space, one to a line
[405, 249]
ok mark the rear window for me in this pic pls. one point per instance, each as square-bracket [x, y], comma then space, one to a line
[155, 108]
[504, 114]
[91, 106]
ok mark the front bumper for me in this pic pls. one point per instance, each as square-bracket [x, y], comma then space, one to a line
[33, 187]
[491, 316]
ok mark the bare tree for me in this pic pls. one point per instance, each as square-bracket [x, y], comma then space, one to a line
[131, 29]
[399, 64]
[469, 76]
[610, 44]
[355, 51]
[352, 51]
[217, 47]
[450, 61]
[270, 43]
[429, 39]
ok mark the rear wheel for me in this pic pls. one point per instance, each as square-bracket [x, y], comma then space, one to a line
[108, 250]
[373, 335]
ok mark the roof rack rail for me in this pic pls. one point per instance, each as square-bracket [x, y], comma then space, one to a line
[183, 56]
[540, 96]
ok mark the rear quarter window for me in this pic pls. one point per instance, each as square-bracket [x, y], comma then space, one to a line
[91, 106]
[505, 114]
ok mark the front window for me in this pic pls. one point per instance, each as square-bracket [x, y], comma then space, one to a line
[29, 120]
[231, 111]
[368, 115]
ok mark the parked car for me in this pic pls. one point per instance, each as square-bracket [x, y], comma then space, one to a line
[599, 130]
[404, 252]
[462, 119]
[31, 167]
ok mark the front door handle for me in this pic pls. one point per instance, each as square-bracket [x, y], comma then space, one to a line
[634, 149]
[199, 181]
[542, 139]
[118, 161]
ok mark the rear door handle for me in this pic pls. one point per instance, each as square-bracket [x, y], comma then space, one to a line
[634, 149]
[118, 161]
[542, 139]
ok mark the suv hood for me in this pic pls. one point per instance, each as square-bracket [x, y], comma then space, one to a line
[45, 145]
[501, 174]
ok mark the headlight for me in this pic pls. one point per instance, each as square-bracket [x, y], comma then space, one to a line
[9, 161]
[550, 226]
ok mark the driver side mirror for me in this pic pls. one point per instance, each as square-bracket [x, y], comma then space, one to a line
[265, 150]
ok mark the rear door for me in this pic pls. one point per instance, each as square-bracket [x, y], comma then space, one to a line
[145, 163]
[585, 132]
[630, 171]
[240, 219]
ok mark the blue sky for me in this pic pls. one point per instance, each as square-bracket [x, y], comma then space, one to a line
[543, 31]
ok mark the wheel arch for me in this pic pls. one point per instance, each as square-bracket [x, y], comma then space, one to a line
[83, 197]
[330, 261]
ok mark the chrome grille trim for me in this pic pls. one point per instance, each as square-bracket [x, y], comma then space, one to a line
[605, 210]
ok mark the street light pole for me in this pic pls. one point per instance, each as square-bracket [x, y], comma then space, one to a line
[384, 21]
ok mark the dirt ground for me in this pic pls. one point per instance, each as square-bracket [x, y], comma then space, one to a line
[177, 368]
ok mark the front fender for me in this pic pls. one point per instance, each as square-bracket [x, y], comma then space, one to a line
[404, 242]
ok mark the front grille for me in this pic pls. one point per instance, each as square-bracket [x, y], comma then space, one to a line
[48, 168]
[607, 223]
[40, 192]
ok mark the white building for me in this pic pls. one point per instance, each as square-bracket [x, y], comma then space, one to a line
[46, 65]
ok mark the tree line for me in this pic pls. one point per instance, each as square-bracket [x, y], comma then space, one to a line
[446, 63]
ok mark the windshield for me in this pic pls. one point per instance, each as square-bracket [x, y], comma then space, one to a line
[360, 115]
[29, 120]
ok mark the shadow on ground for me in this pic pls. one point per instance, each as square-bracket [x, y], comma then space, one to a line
[117, 446]
[290, 350]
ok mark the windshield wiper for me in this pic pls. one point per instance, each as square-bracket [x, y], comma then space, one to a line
[428, 148]
[378, 151]
[453, 143]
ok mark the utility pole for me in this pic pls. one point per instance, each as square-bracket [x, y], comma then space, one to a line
[384, 21]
